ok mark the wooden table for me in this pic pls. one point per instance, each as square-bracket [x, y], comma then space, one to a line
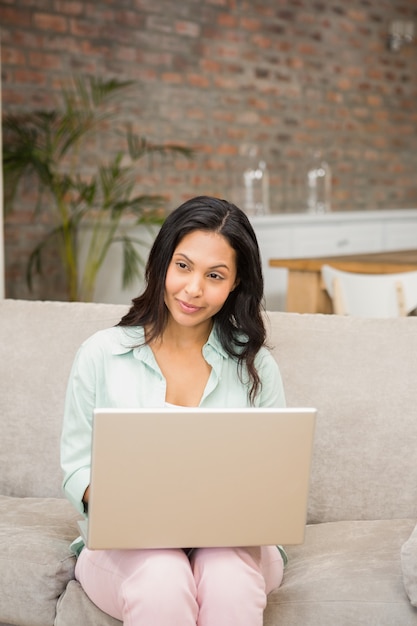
[306, 293]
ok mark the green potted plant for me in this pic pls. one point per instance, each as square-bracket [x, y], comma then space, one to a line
[102, 203]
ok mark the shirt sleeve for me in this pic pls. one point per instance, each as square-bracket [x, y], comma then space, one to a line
[76, 435]
[272, 392]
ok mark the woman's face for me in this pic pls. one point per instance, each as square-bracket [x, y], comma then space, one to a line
[200, 276]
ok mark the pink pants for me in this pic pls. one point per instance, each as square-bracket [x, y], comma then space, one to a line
[215, 587]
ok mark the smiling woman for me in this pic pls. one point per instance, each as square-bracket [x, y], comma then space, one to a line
[194, 338]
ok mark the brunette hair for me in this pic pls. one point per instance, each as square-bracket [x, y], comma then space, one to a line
[239, 323]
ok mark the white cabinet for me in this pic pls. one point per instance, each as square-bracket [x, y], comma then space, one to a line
[343, 238]
[335, 234]
[274, 240]
[400, 234]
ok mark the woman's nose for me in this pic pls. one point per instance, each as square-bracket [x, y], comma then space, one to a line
[194, 285]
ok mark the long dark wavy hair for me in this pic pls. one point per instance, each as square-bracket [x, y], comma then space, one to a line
[239, 323]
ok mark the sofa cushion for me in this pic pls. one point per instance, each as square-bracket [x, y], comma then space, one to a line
[345, 573]
[76, 609]
[35, 560]
[409, 566]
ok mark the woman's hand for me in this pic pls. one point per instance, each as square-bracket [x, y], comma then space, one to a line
[85, 498]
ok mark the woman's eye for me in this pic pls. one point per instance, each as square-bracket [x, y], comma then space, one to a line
[182, 265]
[215, 276]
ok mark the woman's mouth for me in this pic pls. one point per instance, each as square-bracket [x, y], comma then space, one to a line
[186, 307]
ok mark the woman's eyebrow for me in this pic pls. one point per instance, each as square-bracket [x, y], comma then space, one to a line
[184, 256]
[212, 267]
[218, 266]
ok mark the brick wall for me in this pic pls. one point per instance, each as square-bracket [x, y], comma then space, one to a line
[287, 76]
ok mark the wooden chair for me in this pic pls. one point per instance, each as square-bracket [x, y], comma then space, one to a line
[370, 295]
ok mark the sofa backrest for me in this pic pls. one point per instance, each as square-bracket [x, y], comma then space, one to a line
[359, 373]
[38, 342]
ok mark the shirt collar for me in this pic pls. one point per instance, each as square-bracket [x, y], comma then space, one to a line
[214, 342]
[129, 338]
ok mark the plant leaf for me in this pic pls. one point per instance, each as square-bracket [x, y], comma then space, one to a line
[132, 262]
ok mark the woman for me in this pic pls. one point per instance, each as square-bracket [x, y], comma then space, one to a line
[195, 337]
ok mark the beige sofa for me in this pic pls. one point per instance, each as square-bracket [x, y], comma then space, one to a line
[359, 559]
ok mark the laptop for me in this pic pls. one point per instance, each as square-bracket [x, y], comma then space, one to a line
[193, 477]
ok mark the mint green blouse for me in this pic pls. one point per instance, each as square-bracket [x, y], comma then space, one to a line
[114, 369]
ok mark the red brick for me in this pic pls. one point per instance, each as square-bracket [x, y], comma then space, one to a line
[198, 81]
[190, 29]
[196, 114]
[126, 54]
[172, 77]
[155, 58]
[14, 16]
[262, 41]
[69, 7]
[224, 116]
[12, 56]
[44, 61]
[161, 23]
[357, 15]
[227, 19]
[224, 82]
[248, 117]
[333, 96]
[13, 97]
[373, 101]
[30, 77]
[85, 28]
[257, 103]
[49, 22]
[208, 65]
[344, 84]
[137, 72]
[227, 149]
[250, 24]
